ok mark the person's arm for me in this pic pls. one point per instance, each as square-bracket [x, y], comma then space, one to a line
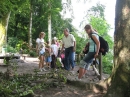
[37, 45]
[62, 47]
[74, 46]
[98, 45]
[74, 41]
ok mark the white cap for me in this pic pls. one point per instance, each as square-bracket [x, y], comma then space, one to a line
[55, 38]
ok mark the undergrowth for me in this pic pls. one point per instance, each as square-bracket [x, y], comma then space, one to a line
[25, 85]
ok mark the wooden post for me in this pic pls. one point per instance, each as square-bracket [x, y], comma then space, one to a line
[100, 66]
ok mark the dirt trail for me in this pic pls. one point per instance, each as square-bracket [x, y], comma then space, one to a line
[30, 64]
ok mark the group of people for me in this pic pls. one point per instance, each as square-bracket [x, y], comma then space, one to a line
[47, 53]
[50, 53]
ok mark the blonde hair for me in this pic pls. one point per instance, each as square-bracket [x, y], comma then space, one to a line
[42, 33]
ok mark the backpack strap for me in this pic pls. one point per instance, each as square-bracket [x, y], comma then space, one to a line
[93, 39]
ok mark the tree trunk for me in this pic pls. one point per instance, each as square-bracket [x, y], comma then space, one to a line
[49, 28]
[30, 26]
[120, 78]
[49, 23]
[3, 30]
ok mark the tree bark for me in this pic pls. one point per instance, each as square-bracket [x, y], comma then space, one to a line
[49, 29]
[3, 30]
[30, 26]
[120, 78]
[49, 24]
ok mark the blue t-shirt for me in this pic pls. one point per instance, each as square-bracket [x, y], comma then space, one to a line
[92, 45]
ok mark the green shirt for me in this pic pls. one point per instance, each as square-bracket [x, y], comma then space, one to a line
[92, 45]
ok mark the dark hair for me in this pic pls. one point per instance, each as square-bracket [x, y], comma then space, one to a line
[53, 41]
[88, 26]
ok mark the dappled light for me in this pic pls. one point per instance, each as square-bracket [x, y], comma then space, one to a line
[125, 10]
[124, 78]
[64, 48]
[2, 35]
[124, 55]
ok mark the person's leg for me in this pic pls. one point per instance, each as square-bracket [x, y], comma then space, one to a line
[55, 58]
[52, 62]
[49, 61]
[84, 63]
[71, 57]
[40, 63]
[66, 65]
[43, 59]
[43, 67]
[88, 66]
[81, 73]
[82, 69]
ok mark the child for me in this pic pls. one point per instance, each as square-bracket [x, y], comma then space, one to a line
[54, 49]
[62, 56]
[48, 55]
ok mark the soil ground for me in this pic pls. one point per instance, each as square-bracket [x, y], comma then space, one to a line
[28, 67]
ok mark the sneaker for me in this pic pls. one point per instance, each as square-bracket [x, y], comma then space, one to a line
[85, 76]
[40, 69]
[77, 79]
[44, 69]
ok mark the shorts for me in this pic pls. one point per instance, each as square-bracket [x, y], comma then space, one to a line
[87, 60]
[48, 59]
[41, 53]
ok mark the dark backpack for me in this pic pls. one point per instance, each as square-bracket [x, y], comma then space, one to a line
[104, 47]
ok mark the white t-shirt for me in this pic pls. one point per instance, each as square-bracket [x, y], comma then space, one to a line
[40, 43]
[54, 48]
[68, 41]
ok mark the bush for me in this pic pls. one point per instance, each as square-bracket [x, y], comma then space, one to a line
[25, 51]
[107, 63]
[12, 41]
[11, 49]
[32, 53]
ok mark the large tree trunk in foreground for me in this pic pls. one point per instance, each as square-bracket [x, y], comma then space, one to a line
[118, 84]
[3, 30]
[120, 78]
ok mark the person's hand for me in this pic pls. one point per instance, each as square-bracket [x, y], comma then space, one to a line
[61, 51]
[74, 49]
[95, 56]
[102, 49]
[84, 49]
